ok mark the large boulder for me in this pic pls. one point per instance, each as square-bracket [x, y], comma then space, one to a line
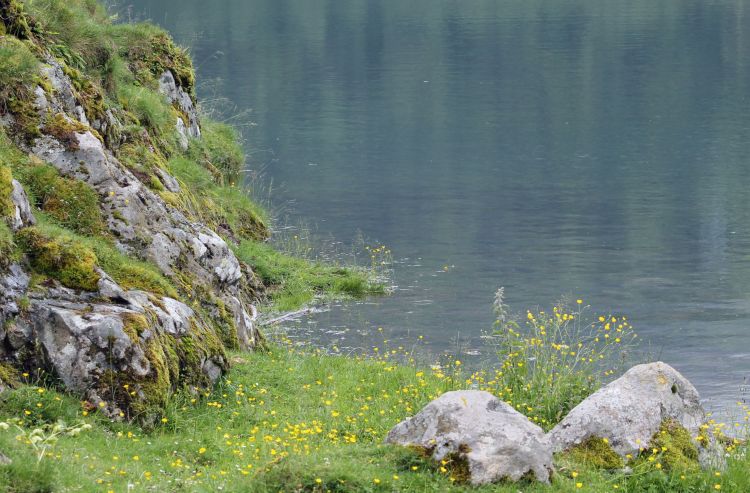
[475, 428]
[630, 411]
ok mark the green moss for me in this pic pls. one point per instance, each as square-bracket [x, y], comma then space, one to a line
[130, 273]
[87, 93]
[596, 452]
[71, 203]
[175, 363]
[7, 245]
[134, 324]
[65, 129]
[7, 209]
[69, 261]
[9, 376]
[675, 446]
[141, 157]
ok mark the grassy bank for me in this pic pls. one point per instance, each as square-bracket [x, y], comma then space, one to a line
[287, 420]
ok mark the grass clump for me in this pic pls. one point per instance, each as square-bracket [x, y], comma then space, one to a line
[219, 150]
[71, 203]
[551, 361]
[295, 282]
[63, 258]
[225, 208]
[7, 208]
[7, 244]
[18, 67]
[673, 447]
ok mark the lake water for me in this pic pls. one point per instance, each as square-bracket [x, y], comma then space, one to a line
[597, 148]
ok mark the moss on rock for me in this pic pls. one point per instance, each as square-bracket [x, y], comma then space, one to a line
[69, 261]
[676, 447]
[152, 56]
[596, 452]
[7, 208]
[7, 245]
[71, 203]
[9, 375]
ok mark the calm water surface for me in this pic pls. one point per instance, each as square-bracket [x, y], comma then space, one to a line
[595, 147]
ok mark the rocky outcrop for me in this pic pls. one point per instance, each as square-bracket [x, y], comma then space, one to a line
[125, 349]
[142, 223]
[630, 410]
[476, 429]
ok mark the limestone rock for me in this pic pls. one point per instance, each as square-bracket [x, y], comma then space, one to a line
[182, 100]
[22, 215]
[495, 441]
[14, 283]
[144, 224]
[87, 339]
[630, 410]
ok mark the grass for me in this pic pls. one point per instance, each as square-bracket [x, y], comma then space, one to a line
[226, 207]
[286, 420]
[18, 66]
[295, 282]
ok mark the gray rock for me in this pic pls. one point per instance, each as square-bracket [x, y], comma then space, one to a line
[83, 337]
[22, 215]
[182, 100]
[496, 441]
[14, 283]
[630, 410]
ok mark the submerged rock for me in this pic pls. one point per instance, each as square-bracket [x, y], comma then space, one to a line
[630, 411]
[475, 428]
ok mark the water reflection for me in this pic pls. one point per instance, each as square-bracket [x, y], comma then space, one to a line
[593, 147]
